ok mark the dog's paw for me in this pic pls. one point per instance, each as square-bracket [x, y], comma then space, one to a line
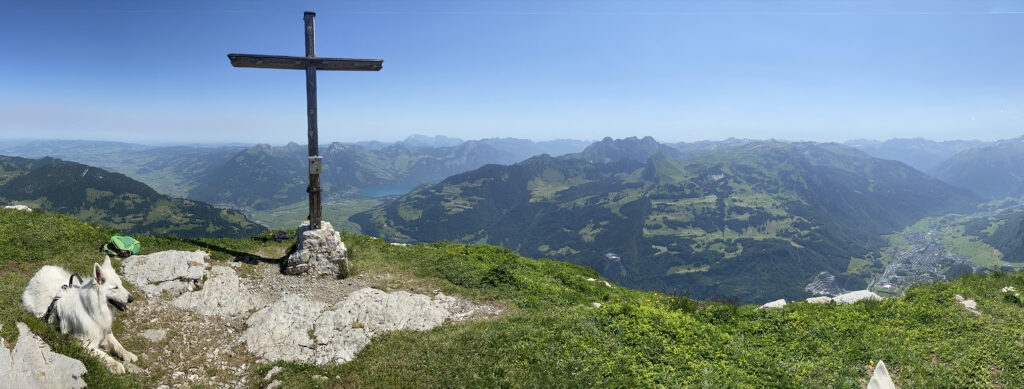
[115, 367]
[129, 357]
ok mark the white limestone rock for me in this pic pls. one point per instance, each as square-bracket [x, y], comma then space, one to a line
[166, 271]
[18, 207]
[318, 252]
[855, 296]
[774, 304]
[819, 300]
[971, 305]
[880, 379]
[281, 331]
[5, 364]
[223, 294]
[300, 330]
[348, 326]
[34, 365]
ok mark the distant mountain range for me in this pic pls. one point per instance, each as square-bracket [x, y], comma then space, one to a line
[755, 220]
[995, 171]
[112, 199]
[264, 177]
[922, 154]
[737, 217]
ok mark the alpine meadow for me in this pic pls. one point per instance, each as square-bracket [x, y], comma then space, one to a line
[557, 194]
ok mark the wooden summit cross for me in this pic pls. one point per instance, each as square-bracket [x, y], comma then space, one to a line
[310, 63]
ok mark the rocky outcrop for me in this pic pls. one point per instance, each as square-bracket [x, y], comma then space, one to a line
[5, 364]
[774, 304]
[281, 331]
[819, 300]
[166, 271]
[18, 207]
[300, 330]
[855, 296]
[223, 294]
[32, 364]
[971, 305]
[318, 252]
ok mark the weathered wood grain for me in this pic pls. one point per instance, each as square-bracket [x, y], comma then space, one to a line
[300, 63]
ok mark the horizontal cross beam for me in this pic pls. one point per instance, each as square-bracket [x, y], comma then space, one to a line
[300, 63]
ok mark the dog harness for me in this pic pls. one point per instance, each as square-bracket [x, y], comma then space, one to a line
[53, 304]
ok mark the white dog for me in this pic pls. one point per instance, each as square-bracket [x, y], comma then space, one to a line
[82, 309]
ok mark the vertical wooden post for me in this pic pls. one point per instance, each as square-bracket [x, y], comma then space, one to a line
[314, 147]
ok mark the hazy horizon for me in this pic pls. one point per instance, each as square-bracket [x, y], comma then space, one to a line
[322, 143]
[687, 71]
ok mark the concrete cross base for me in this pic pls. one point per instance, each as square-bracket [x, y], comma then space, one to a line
[318, 252]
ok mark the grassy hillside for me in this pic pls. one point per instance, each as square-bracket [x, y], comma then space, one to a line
[114, 200]
[552, 336]
[753, 221]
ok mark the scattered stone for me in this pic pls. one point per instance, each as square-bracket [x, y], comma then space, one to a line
[318, 377]
[154, 335]
[596, 305]
[18, 207]
[318, 252]
[880, 379]
[591, 279]
[399, 244]
[274, 385]
[270, 374]
[855, 296]
[607, 284]
[132, 368]
[34, 365]
[222, 295]
[819, 300]
[971, 305]
[774, 304]
[173, 271]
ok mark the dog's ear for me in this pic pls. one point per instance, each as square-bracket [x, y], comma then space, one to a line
[106, 262]
[97, 273]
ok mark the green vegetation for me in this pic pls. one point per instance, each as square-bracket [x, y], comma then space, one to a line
[335, 211]
[983, 238]
[552, 336]
[114, 200]
[29, 240]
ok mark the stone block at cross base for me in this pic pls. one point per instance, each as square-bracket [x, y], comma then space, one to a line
[318, 252]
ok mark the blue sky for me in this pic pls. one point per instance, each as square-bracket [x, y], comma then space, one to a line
[150, 71]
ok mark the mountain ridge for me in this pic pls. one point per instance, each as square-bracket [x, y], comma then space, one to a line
[810, 206]
[113, 199]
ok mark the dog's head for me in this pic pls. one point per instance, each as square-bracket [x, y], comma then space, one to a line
[109, 286]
